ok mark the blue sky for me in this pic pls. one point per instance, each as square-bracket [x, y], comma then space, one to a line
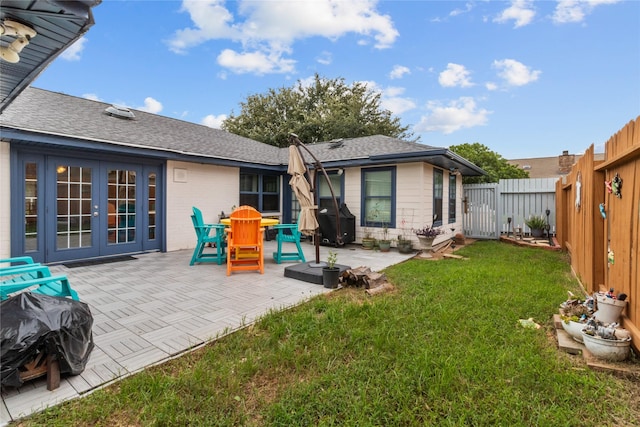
[525, 78]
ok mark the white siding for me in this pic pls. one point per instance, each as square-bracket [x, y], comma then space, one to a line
[5, 201]
[210, 188]
[414, 198]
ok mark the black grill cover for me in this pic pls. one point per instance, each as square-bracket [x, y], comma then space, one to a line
[327, 222]
[32, 323]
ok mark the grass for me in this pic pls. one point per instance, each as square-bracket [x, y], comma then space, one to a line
[444, 348]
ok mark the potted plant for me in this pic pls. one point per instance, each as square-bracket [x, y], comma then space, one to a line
[368, 241]
[385, 243]
[536, 224]
[405, 246]
[426, 235]
[331, 273]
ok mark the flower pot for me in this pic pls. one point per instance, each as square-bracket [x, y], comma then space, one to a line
[426, 243]
[609, 309]
[613, 350]
[405, 246]
[574, 329]
[330, 277]
[368, 242]
[384, 245]
[537, 232]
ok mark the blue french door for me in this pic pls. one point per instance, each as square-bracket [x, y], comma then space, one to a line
[82, 208]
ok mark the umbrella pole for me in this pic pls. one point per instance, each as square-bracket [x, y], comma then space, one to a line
[318, 166]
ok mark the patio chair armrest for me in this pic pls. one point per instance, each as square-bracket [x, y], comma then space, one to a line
[25, 269]
[62, 281]
[23, 260]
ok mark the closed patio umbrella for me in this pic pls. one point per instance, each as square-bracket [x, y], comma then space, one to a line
[307, 222]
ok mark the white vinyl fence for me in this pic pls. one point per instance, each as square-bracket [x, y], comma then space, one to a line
[487, 208]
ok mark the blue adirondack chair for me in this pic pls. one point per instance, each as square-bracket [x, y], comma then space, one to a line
[36, 276]
[288, 233]
[208, 233]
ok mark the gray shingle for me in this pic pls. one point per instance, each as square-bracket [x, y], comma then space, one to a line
[53, 113]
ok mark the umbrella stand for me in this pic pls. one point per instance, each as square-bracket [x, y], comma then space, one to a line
[293, 139]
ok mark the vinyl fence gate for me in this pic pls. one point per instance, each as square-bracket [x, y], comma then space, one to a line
[481, 217]
[488, 207]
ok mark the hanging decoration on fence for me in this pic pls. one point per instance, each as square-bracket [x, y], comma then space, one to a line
[616, 186]
[578, 190]
[602, 211]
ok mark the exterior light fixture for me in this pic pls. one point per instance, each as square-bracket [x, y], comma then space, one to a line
[23, 34]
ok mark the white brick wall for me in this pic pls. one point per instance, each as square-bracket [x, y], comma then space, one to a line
[5, 201]
[210, 188]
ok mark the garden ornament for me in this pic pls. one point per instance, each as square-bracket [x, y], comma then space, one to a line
[607, 184]
[616, 185]
[602, 212]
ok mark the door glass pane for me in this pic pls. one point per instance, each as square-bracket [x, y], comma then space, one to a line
[31, 207]
[73, 204]
[121, 212]
[151, 206]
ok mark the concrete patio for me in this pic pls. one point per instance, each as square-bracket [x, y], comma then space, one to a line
[156, 307]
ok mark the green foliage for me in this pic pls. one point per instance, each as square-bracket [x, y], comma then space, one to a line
[536, 222]
[326, 109]
[491, 162]
[332, 258]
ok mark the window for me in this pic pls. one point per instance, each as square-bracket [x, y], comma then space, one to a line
[326, 201]
[437, 197]
[31, 207]
[260, 191]
[452, 198]
[378, 197]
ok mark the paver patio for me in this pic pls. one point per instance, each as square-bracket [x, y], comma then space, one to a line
[156, 307]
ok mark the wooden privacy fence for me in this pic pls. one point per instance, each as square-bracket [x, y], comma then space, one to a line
[600, 229]
[487, 207]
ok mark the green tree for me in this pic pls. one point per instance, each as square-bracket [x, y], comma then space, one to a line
[324, 110]
[491, 162]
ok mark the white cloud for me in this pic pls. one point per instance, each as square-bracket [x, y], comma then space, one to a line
[325, 58]
[399, 71]
[576, 10]
[455, 75]
[214, 121]
[212, 21]
[255, 62]
[151, 106]
[266, 30]
[91, 96]
[456, 115]
[520, 11]
[390, 97]
[491, 86]
[72, 53]
[515, 73]
[468, 7]
[392, 101]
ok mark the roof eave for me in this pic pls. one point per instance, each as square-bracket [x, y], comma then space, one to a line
[441, 157]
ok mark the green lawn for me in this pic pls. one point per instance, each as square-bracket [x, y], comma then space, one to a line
[444, 348]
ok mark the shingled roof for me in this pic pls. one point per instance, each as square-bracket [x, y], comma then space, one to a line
[38, 115]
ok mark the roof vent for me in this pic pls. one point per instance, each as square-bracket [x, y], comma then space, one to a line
[526, 167]
[119, 111]
[336, 143]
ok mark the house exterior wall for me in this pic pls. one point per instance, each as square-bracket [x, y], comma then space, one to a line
[210, 188]
[5, 201]
[414, 200]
